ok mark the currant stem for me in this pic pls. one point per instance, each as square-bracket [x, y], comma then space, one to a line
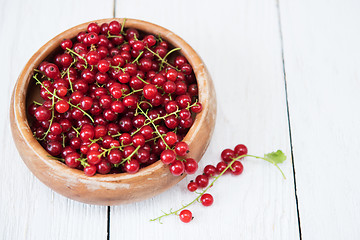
[68, 74]
[54, 95]
[161, 59]
[131, 93]
[122, 26]
[171, 51]
[129, 157]
[211, 184]
[269, 162]
[76, 130]
[142, 80]
[52, 118]
[78, 55]
[155, 127]
[137, 58]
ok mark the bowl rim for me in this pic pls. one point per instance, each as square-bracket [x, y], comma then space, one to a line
[20, 95]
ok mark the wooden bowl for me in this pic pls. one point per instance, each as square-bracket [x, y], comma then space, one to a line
[111, 189]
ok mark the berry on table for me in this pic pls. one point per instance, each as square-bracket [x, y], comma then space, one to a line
[185, 216]
[207, 199]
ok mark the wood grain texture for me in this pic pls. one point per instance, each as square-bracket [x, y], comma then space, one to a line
[240, 43]
[321, 47]
[28, 209]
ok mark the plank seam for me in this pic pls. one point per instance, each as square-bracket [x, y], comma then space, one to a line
[108, 223]
[288, 114]
[114, 8]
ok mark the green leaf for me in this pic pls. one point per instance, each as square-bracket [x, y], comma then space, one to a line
[276, 157]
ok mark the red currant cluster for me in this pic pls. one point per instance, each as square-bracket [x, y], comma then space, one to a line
[229, 163]
[227, 156]
[114, 101]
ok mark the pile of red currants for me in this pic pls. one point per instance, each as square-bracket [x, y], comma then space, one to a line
[115, 100]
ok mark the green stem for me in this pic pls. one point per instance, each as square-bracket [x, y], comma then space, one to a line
[210, 185]
[170, 52]
[130, 156]
[118, 68]
[56, 158]
[268, 160]
[161, 59]
[132, 92]
[76, 130]
[52, 117]
[68, 74]
[54, 95]
[78, 55]
[137, 58]
[156, 129]
[143, 80]
[122, 26]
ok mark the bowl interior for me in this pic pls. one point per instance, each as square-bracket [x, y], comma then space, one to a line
[53, 47]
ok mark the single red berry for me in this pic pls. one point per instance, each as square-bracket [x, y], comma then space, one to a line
[116, 92]
[196, 108]
[227, 155]
[168, 156]
[90, 170]
[237, 168]
[190, 166]
[240, 150]
[125, 139]
[220, 167]
[93, 27]
[132, 166]
[103, 66]
[54, 148]
[202, 181]
[93, 157]
[185, 216]
[103, 167]
[179, 61]
[171, 75]
[182, 148]
[72, 160]
[143, 155]
[62, 106]
[52, 71]
[86, 103]
[42, 113]
[138, 140]
[207, 199]
[210, 170]
[177, 168]
[169, 87]
[192, 186]
[66, 43]
[115, 156]
[114, 27]
[56, 128]
[92, 57]
[184, 114]
[150, 91]
[183, 101]
[170, 138]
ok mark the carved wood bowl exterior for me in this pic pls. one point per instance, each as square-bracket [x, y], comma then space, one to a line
[111, 189]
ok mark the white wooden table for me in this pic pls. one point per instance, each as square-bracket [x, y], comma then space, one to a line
[287, 77]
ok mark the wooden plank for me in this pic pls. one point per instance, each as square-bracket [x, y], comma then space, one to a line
[321, 46]
[240, 43]
[30, 210]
